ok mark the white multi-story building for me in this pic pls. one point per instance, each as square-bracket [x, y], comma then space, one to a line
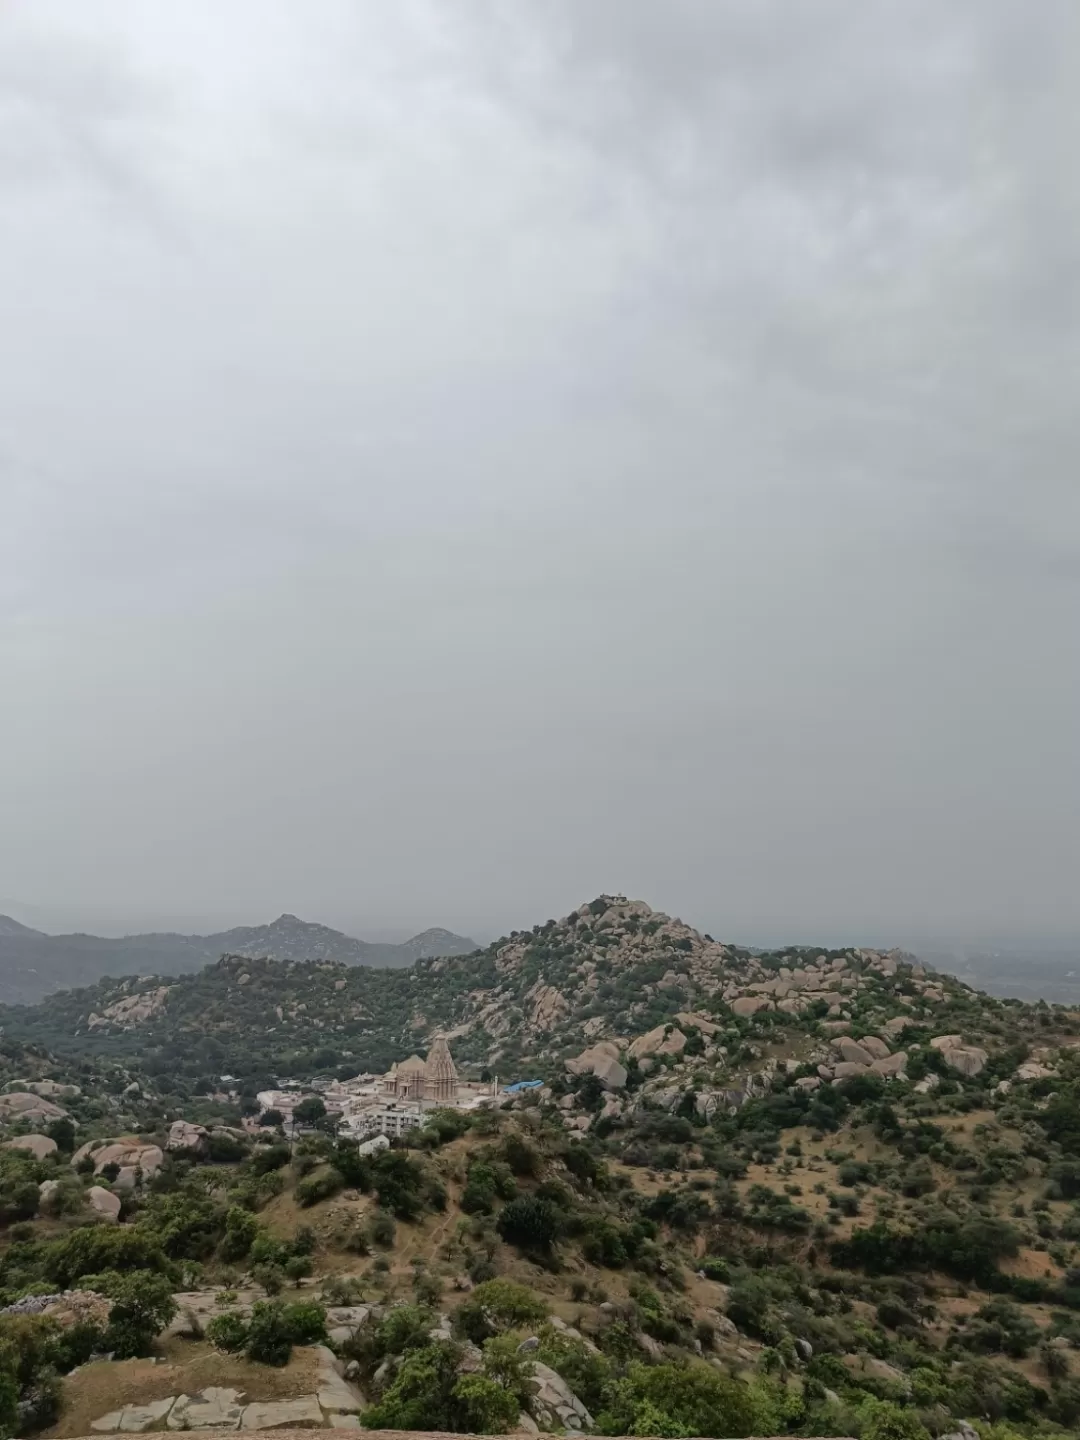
[389, 1118]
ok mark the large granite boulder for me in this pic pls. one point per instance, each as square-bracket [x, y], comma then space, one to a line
[876, 1046]
[892, 1067]
[104, 1202]
[601, 1060]
[747, 1005]
[663, 1040]
[183, 1135]
[851, 1051]
[128, 1154]
[22, 1105]
[553, 1405]
[967, 1059]
[40, 1146]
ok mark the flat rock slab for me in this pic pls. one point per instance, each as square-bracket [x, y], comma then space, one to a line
[133, 1419]
[346, 1432]
[304, 1412]
[215, 1408]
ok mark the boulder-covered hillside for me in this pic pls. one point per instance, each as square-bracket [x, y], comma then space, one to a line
[613, 977]
[812, 1192]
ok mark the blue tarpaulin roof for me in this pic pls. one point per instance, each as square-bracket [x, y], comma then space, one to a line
[521, 1085]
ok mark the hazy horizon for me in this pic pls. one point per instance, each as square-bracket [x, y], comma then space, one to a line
[115, 922]
[457, 460]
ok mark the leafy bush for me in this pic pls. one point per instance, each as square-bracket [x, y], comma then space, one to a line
[228, 1332]
[429, 1393]
[241, 1228]
[678, 1400]
[399, 1183]
[530, 1222]
[320, 1185]
[495, 1306]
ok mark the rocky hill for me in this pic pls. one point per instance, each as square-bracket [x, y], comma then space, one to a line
[34, 964]
[612, 972]
[805, 1192]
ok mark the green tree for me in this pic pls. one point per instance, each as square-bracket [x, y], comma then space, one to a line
[486, 1408]
[142, 1307]
[530, 1222]
[882, 1420]
[241, 1228]
[678, 1400]
[496, 1306]
[310, 1111]
[62, 1131]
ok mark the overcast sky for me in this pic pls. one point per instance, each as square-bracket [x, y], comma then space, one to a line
[457, 458]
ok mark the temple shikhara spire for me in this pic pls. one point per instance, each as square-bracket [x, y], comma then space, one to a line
[440, 1074]
[434, 1079]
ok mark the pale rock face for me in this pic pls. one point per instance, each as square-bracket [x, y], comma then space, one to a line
[125, 1153]
[694, 1021]
[134, 1419]
[852, 1052]
[40, 1146]
[1030, 1070]
[747, 1005]
[22, 1105]
[658, 1042]
[54, 1090]
[215, 1408]
[47, 1192]
[967, 1059]
[845, 1069]
[892, 1067]
[808, 1082]
[335, 1395]
[548, 1006]
[553, 1405]
[601, 1060]
[877, 1047]
[132, 1009]
[104, 1202]
[301, 1413]
[185, 1136]
[896, 1024]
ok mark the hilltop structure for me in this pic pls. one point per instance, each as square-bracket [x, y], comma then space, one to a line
[434, 1079]
[392, 1103]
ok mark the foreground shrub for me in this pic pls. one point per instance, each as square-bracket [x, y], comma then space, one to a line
[496, 1306]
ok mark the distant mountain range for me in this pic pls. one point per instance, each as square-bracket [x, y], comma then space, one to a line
[34, 964]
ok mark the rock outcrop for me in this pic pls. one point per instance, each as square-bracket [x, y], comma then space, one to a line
[601, 1060]
[183, 1135]
[553, 1405]
[40, 1146]
[24, 1105]
[967, 1059]
[664, 1040]
[131, 1157]
[104, 1202]
[131, 1010]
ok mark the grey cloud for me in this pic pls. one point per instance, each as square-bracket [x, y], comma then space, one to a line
[458, 460]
